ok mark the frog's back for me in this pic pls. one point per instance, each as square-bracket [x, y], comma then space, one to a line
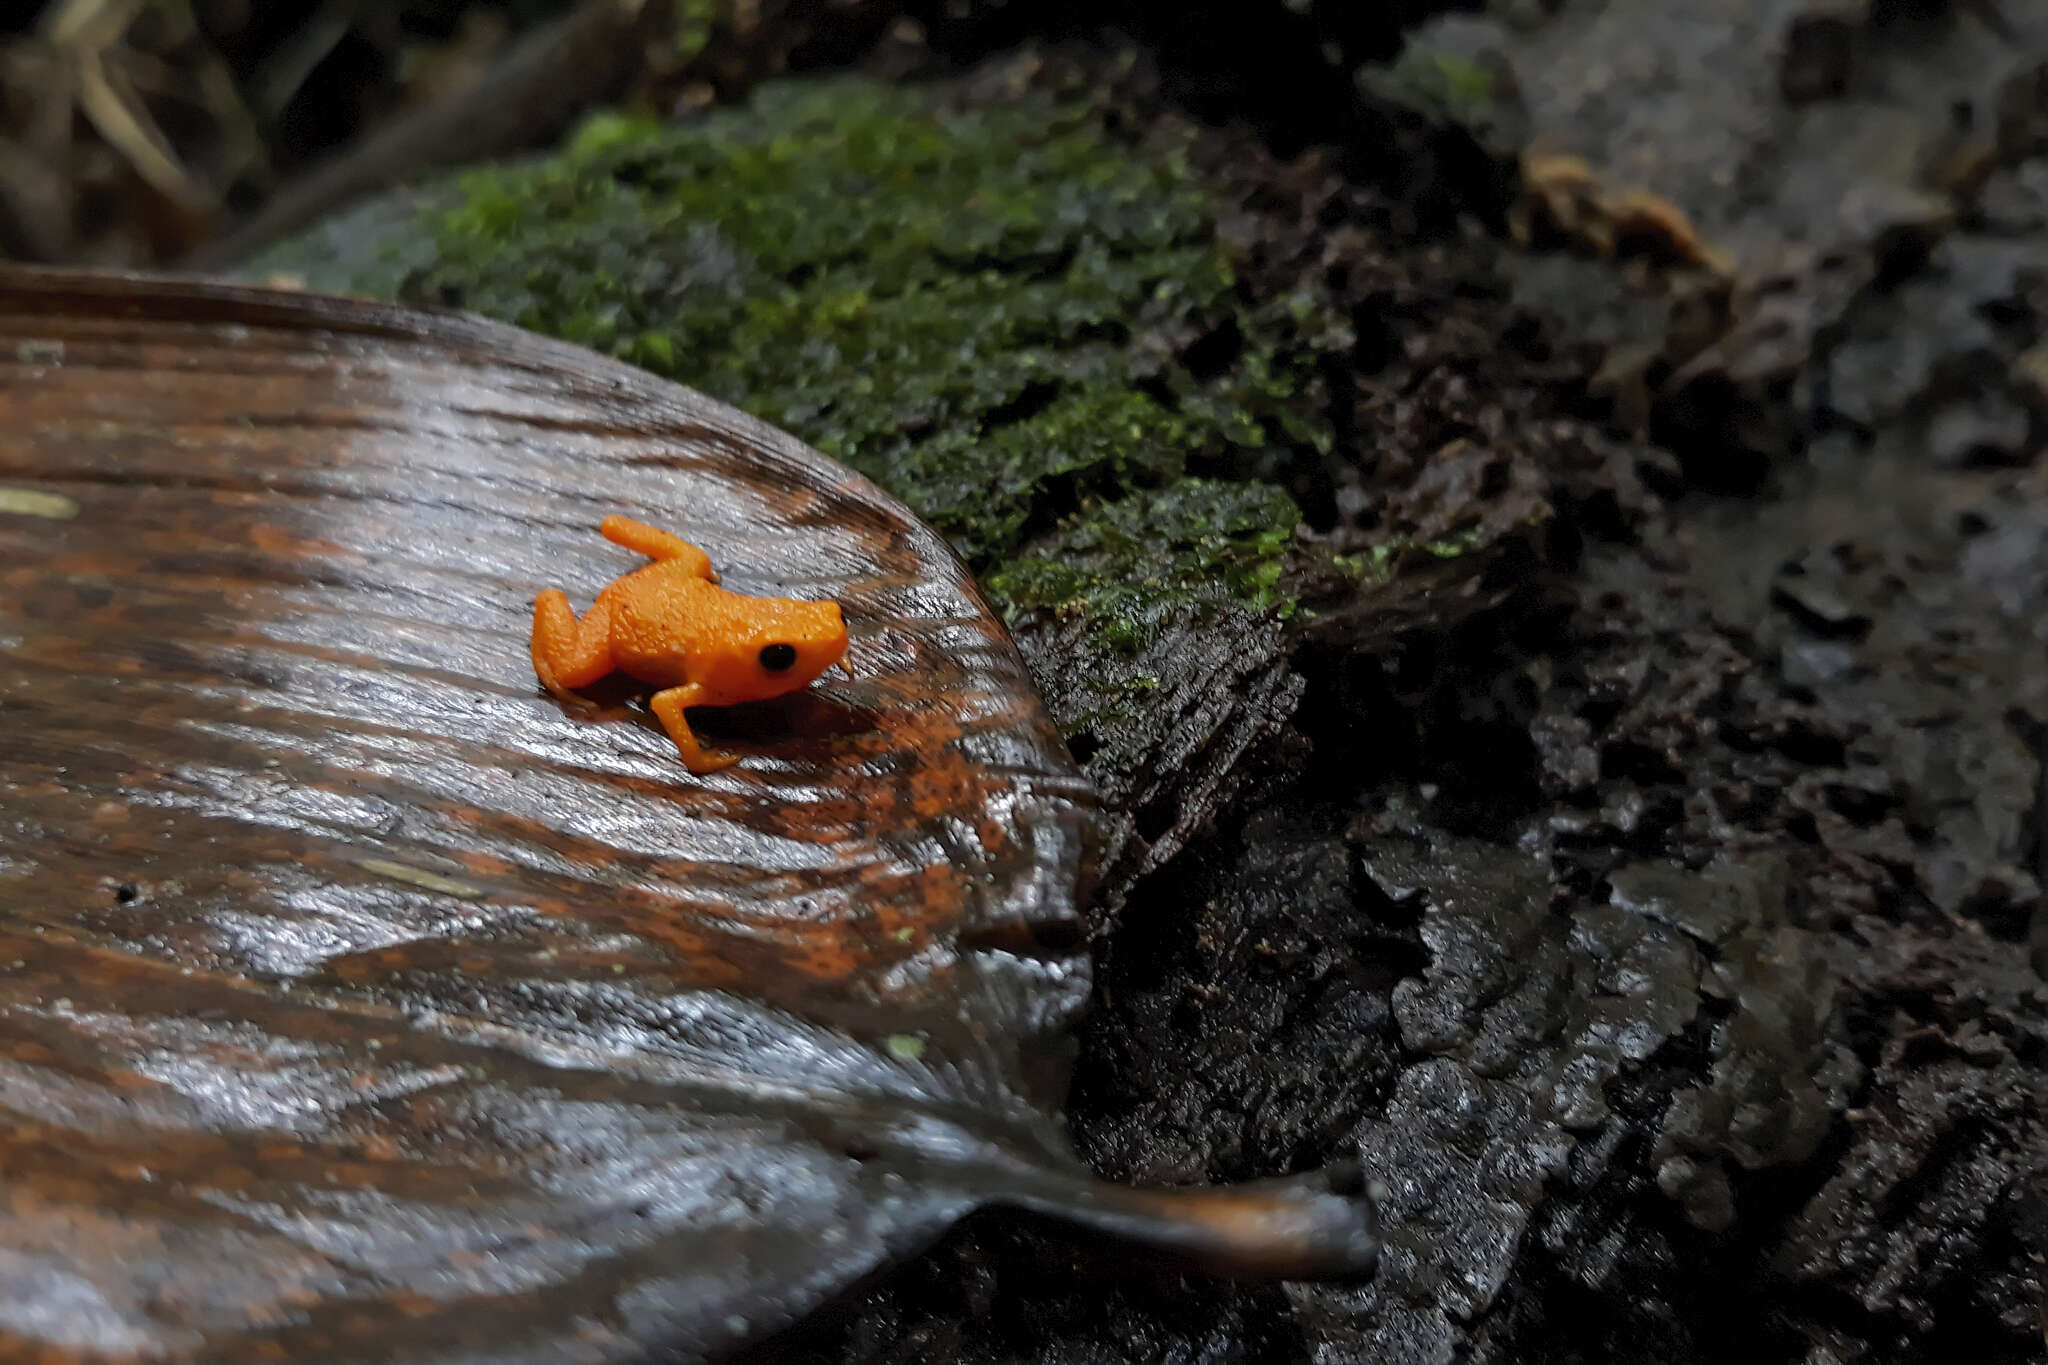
[662, 616]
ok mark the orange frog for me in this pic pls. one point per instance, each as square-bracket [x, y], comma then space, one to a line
[670, 624]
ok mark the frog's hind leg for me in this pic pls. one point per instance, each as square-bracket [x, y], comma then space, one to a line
[567, 652]
[657, 545]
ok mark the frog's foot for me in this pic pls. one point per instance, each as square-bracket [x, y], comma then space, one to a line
[567, 652]
[668, 707]
[657, 545]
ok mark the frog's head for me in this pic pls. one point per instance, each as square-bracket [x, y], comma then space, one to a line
[777, 645]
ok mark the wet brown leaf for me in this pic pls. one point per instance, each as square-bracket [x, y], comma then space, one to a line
[358, 1001]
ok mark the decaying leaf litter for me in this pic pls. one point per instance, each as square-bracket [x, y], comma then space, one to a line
[448, 1023]
[1693, 879]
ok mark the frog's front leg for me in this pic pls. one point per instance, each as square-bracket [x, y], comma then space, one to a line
[668, 707]
[658, 545]
[567, 652]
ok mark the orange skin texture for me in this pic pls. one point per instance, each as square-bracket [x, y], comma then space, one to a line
[670, 624]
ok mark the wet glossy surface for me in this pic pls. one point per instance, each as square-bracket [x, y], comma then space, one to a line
[357, 1000]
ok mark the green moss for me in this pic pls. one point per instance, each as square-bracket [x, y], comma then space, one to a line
[1455, 70]
[974, 307]
[1466, 87]
[1383, 561]
[989, 310]
[1128, 565]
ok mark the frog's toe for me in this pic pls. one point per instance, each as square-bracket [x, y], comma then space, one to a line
[707, 761]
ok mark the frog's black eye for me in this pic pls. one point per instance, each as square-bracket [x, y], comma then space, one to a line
[777, 658]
